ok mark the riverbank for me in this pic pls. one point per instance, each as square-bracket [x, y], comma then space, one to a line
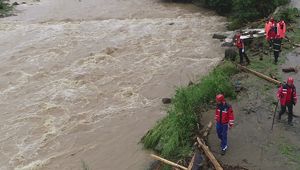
[252, 144]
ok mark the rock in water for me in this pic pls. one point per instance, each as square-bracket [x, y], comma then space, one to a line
[218, 36]
[227, 44]
[166, 100]
[191, 83]
[230, 54]
[15, 3]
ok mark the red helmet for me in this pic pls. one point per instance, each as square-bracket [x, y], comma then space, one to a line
[290, 80]
[220, 98]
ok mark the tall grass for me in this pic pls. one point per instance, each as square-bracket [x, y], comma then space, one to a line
[172, 136]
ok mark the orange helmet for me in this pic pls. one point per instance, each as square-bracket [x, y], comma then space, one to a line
[220, 98]
[290, 80]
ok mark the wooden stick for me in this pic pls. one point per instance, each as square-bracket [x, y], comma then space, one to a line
[168, 162]
[191, 163]
[207, 129]
[259, 75]
[210, 156]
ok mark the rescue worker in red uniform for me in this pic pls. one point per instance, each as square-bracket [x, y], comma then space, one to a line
[281, 29]
[288, 97]
[271, 31]
[241, 46]
[224, 119]
[276, 48]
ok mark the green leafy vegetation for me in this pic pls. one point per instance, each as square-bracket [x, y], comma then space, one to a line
[242, 12]
[291, 152]
[5, 8]
[172, 136]
[289, 15]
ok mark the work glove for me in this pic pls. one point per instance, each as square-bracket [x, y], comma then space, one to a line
[243, 50]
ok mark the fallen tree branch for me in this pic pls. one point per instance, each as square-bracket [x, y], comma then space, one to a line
[259, 75]
[210, 156]
[191, 163]
[209, 125]
[168, 162]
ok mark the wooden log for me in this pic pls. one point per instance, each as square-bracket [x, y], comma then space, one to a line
[259, 75]
[168, 162]
[290, 69]
[191, 163]
[210, 156]
[207, 129]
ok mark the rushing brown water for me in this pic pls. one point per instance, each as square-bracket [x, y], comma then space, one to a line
[83, 80]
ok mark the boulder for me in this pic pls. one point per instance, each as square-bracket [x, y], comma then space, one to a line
[166, 100]
[219, 36]
[15, 3]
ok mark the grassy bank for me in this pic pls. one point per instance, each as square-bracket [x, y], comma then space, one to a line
[172, 136]
[5, 8]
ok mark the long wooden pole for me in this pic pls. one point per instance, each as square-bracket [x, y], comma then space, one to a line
[168, 162]
[192, 163]
[259, 75]
[205, 134]
[210, 156]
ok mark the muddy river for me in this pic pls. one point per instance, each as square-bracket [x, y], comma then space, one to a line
[82, 80]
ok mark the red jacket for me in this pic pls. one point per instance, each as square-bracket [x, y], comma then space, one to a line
[267, 29]
[287, 94]
[224, 114]
[281, 29]
[272, 31]
[239, 43]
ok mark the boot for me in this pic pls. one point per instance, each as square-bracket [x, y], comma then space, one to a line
[223, 152]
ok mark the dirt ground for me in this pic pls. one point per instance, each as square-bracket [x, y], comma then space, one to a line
[252, 144]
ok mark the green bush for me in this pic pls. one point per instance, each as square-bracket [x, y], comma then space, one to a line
[289, 15]
[221, 6]
[5, 8]
[171, 137]
[243, 11]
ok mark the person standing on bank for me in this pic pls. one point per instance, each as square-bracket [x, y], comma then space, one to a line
[271, 31]
[288, 98]
[276, 48]
[224, 119]
[241, 47]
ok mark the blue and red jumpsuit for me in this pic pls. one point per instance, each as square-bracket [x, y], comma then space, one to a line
[288, 97]
[224, 118]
